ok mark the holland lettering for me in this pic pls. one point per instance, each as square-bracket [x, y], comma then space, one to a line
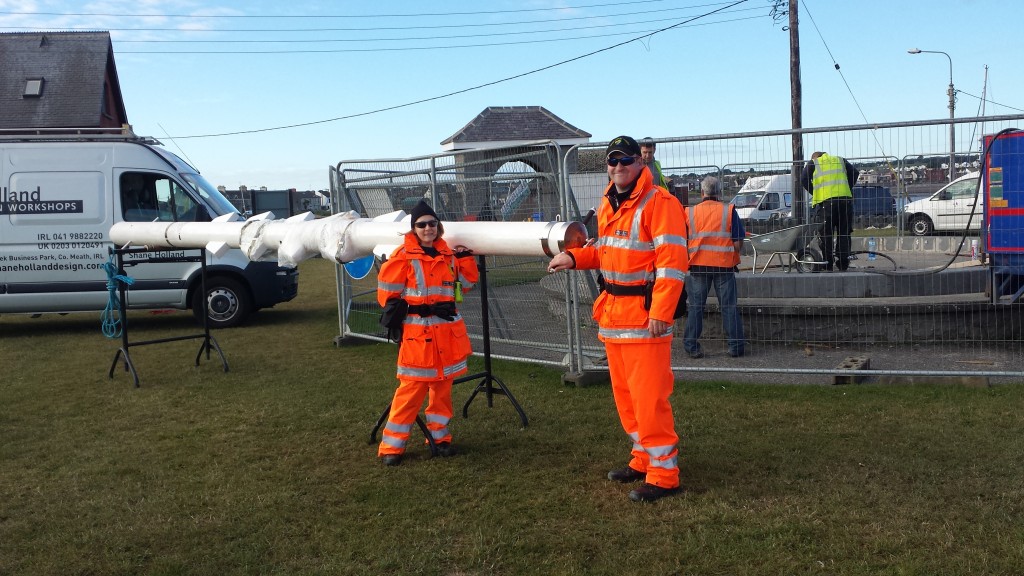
[31, 202]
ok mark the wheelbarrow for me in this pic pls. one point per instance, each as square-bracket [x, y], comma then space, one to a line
[789, 245]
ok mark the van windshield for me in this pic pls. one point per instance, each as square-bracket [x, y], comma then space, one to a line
[215, 201]
[745, 200]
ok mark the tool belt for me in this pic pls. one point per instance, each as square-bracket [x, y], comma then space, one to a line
[623, 290]
[646, 290]
[444, 310]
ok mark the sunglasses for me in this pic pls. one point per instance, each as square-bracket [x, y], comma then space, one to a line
[625, 161]
[425, 223]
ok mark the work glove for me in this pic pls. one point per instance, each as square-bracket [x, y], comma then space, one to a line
[463, 253]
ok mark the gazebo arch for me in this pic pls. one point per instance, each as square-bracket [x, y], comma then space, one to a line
[485, 141]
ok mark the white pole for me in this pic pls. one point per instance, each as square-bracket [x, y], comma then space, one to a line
[345, 237]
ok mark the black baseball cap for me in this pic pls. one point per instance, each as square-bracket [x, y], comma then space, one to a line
[624, 144]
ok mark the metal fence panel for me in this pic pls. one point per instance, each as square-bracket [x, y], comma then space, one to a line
[503, 184]
[907, 293]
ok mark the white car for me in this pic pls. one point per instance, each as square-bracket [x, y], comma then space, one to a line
[949, 208]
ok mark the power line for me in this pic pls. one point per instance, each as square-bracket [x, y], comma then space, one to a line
[277, 16]
[358, 29]
[845, 83]
[987, 100]
[464, 90]
[417, 48]
[405, 38]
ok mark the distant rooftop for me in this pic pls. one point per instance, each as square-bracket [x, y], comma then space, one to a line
[499, 126]
[59, 80]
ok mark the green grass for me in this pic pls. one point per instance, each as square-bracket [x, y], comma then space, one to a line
[266, 469]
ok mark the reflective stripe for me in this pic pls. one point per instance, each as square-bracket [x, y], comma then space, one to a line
[443, 421]
[393, 442]
[438, 419]
[712, 234]
[631, 333]
[712, 249]
[668, 463]
[418, 320]
[627, 244]
[418, 372]
[417, 271]
[671, 239]
[449, 370]
[398, 428]
[390, 286]
[673, 273]
[441, 291]
[455, 368]
[626, 277]
[467, 285]
[429, 320]
[660, 451]
[659, 456]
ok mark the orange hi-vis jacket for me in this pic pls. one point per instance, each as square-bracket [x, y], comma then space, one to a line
[432, 348]
[641, 242]
[709, 235]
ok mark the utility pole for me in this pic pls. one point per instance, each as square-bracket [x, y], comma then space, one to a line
[796, 111]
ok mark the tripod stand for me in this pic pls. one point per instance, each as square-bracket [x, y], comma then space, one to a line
[487, 377]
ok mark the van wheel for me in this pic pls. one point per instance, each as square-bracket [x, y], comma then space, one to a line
[228, 301]
[921, 226]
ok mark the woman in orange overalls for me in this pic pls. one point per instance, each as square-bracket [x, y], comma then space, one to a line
[434, 347]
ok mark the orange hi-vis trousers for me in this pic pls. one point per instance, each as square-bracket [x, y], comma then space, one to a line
[642, 382]
[406, 404]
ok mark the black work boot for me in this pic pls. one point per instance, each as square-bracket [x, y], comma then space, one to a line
[445, 449]
[626, 475]
[391, 459]
[650, 493]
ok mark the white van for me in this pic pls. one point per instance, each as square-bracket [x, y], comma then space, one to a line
[948, 209]
[765, 197]
[59, 196]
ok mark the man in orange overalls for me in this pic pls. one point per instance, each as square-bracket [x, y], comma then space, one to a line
[641, 252]
[434, 345]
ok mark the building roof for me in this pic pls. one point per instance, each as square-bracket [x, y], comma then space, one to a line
[75, 68]
[511, 124]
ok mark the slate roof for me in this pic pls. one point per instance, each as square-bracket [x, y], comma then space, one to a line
[74, 66]
[518, 123]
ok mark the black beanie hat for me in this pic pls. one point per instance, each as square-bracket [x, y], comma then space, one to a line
[420, 210]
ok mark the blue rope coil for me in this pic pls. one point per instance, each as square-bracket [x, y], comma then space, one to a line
[111, 315]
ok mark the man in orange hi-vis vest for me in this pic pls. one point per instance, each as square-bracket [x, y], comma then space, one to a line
[714, 238]
[434, 345]
[641, 252]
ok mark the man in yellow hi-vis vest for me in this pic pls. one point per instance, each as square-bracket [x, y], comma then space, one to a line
[830, 181]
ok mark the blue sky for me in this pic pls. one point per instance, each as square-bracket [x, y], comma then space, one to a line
[722, 73]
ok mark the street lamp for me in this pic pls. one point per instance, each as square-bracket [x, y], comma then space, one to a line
[952, 108]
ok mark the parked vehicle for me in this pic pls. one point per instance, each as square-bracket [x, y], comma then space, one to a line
[873, 201]
[948, 209]
[774, 198]
[60, 195]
